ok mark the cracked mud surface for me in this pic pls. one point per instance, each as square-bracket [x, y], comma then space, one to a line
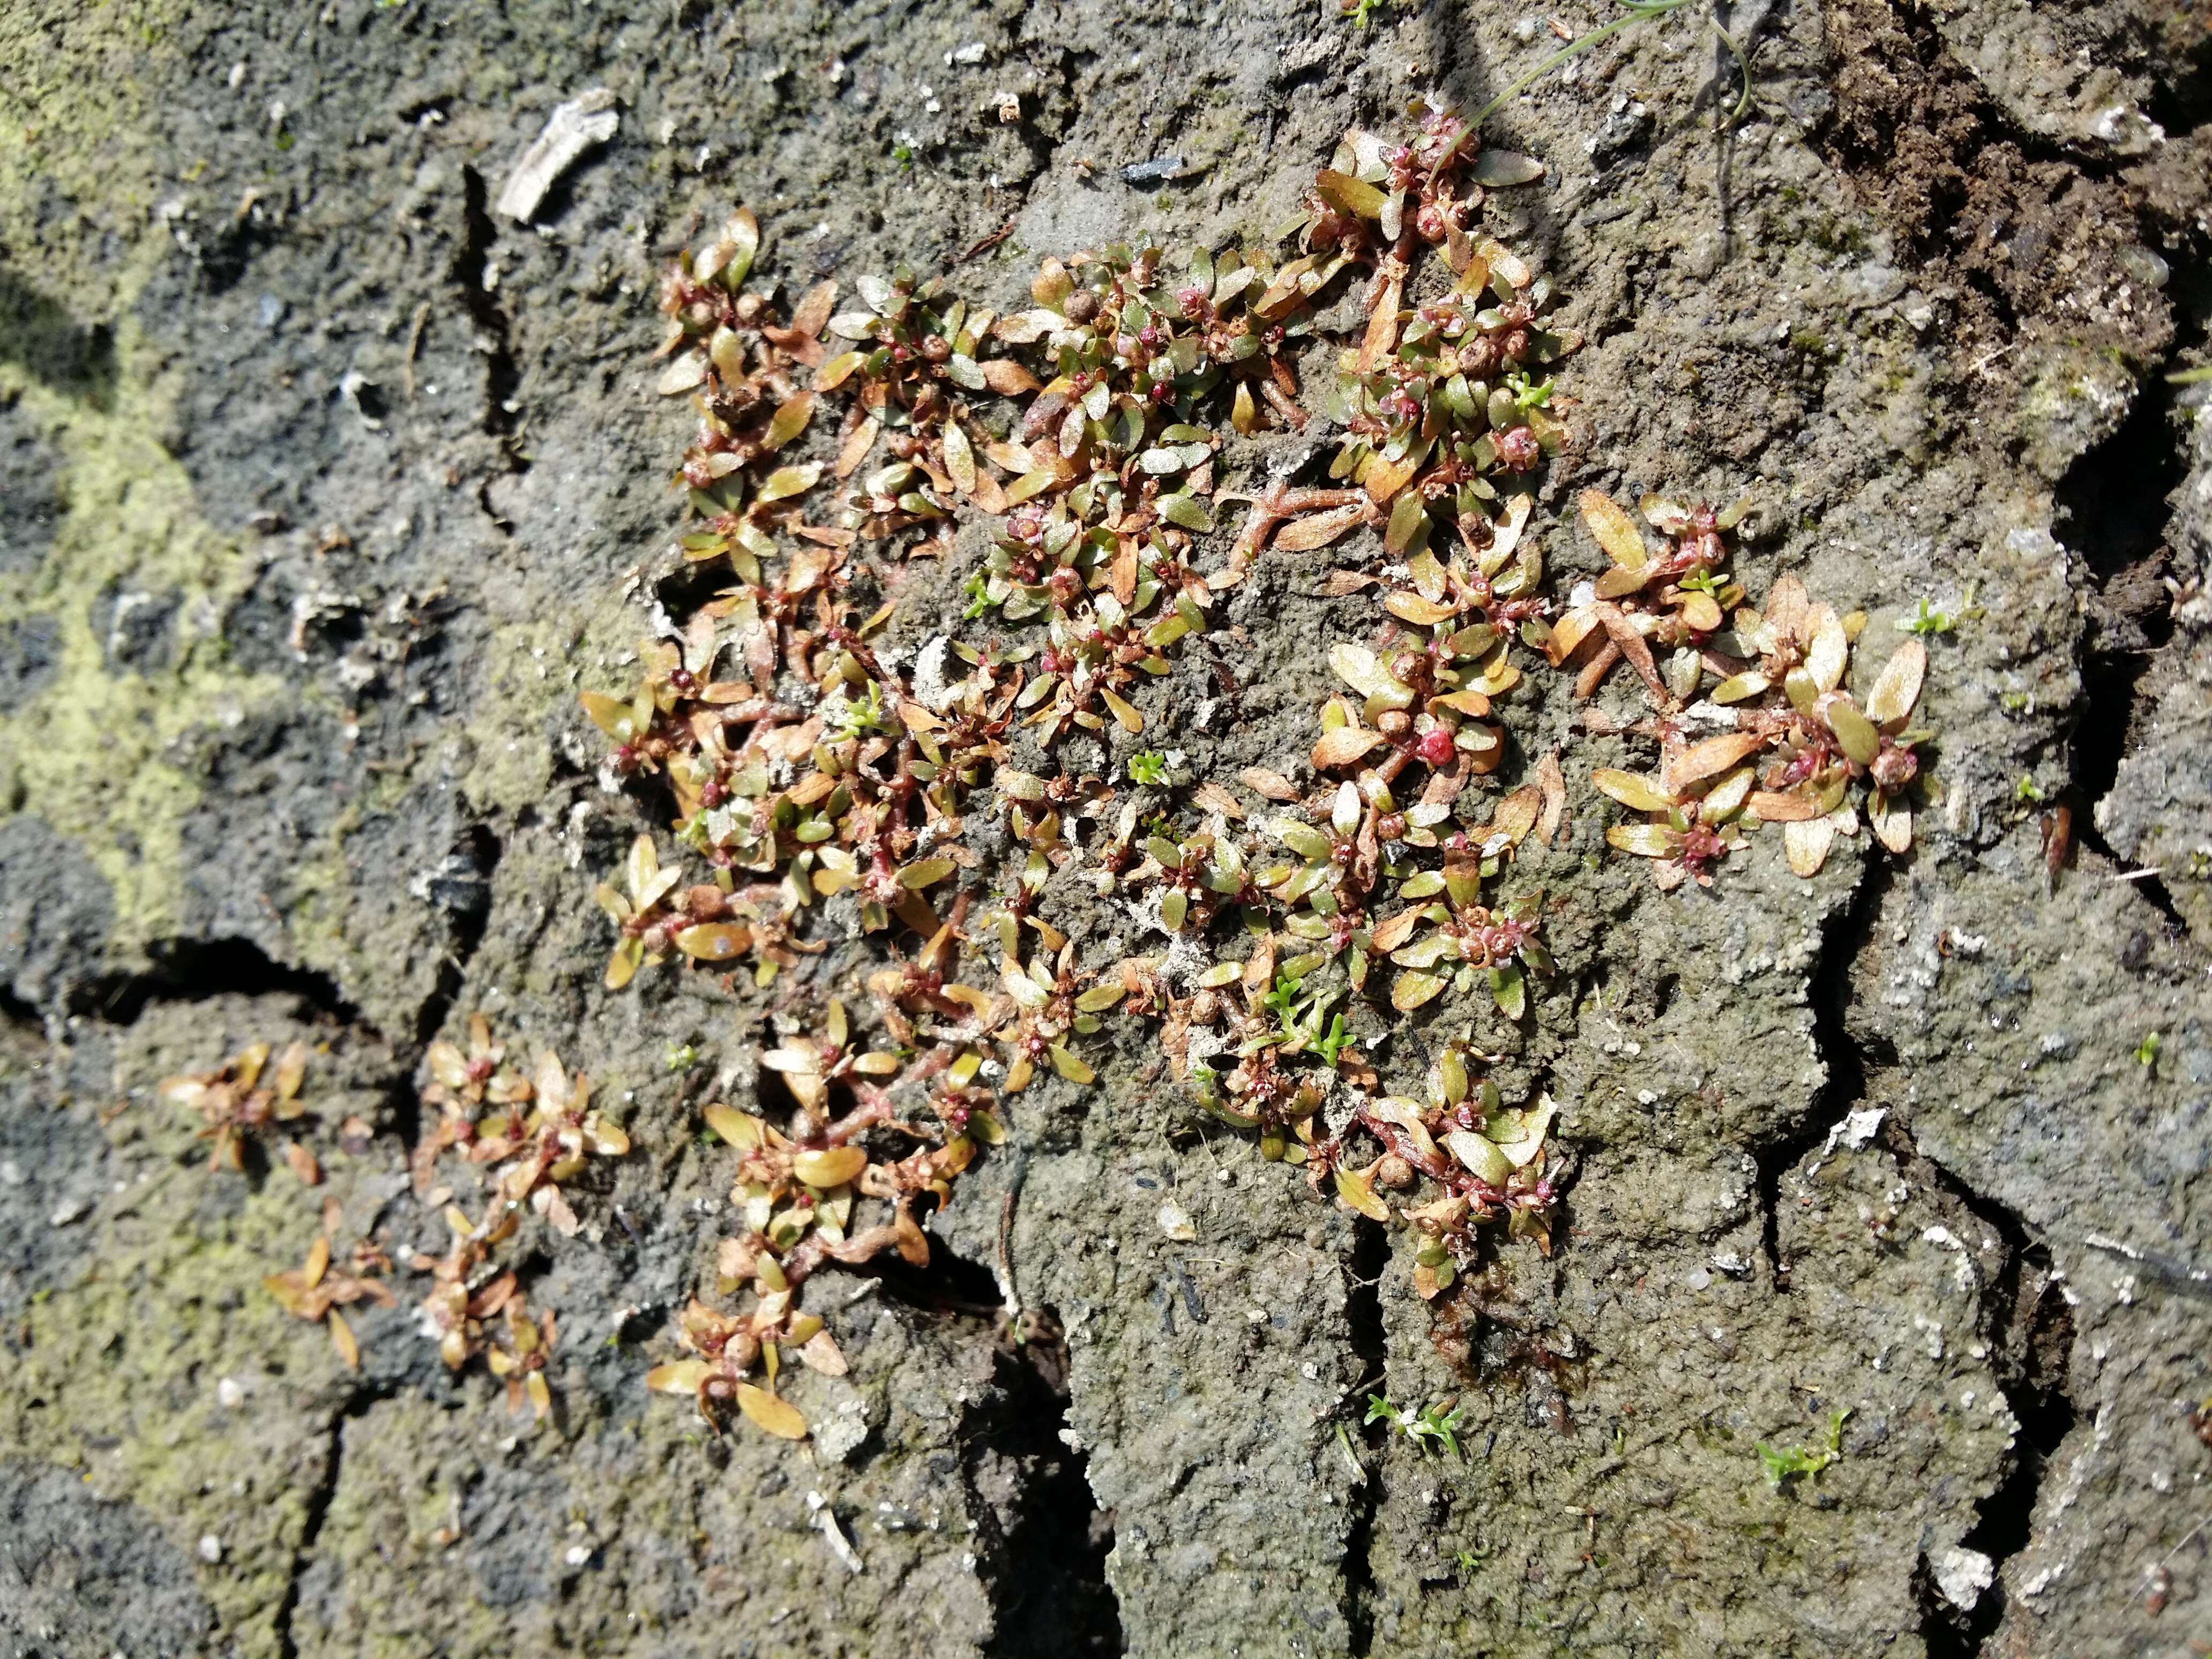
[324, 489]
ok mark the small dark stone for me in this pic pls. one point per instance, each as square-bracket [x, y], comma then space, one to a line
[30, 654]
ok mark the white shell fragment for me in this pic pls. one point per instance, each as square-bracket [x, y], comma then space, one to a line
[573, 128]
[825, 1522]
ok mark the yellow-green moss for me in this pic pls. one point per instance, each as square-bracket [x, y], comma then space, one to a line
[95, 752]
[115, 1373]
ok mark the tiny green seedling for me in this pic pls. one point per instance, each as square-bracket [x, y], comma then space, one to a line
[1438, 1422]
[1334, 1042]
[978, 595]
[849, 719]
[1204, 1082]
[2028, 791]
[1148, 767]
[1927, 620]
[1282, 1000]
[682, 1056]
[1351, 1457]
[1783, 1467]
[1528, 394]
[2147, 1050]
[1357, 12]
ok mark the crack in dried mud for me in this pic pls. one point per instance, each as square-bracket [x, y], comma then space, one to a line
[1040, 1540]
[1846, 938]
[183, 970]
[356, 1404]
[502, 374]
[1363, 1311]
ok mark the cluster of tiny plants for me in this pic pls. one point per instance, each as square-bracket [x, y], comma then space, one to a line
[526, 1136]
[1788, 744]
[822, 784]
[242, 1100]
[246, 1100]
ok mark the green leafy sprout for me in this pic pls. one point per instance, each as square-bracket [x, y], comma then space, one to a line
[1148, 767]
[1300, 1012]
[682, 1056]
[2028, 791]
[1526, 393]
[1359, 11]
[1782, 1466]
[978, 595]
[849, 719]
[1927, 620]
[2147, 1050]
[1204, 1082]
[1435, 1424]
[1283, 999]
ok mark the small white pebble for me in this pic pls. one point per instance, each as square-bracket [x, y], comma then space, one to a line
[577, 1554]
[210, 1548]
[1175, 1222]
[230, 1393]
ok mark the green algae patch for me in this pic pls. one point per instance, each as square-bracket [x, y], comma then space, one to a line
[531, 678]
[104, 750]
[81, 172]
[117, 1376]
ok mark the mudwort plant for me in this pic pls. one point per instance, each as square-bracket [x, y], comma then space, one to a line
[825, 782]
[814, 777]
